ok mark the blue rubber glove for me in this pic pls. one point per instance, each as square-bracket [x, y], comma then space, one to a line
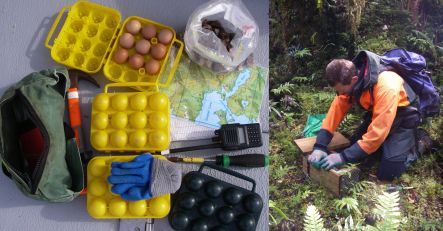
[331, 161]
[316, 156]
[132, 192]
[131, 180]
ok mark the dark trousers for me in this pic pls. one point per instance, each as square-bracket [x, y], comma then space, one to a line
[399, 149]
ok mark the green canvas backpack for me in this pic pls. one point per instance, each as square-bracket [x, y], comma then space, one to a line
[37, 150]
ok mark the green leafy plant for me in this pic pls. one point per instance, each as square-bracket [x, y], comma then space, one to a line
[433, 225]
[419, 43]
[348, 203]
[281, 171]
[301, 195]
[313, 220]
[315, 103]
[282, 89]
[301, 80]
[350, 123]
[274, 109]
[386, 211]
[282, 215]
[348, 224]
[319, 4]
[359, 187]
[378, 45]
[299, 53]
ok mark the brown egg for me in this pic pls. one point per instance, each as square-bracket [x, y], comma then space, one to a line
[127, 40]
[152, 66]
[165, 36]
[158, 51]
[142, 46]
[133, 26]
[149, 31]
[121, 55]
[136, 61]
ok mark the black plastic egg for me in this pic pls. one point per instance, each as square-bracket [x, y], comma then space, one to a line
[219, 228]
[232, 196]
[246, 222]
[207, 208]
[200, 225]
[194, 182]
[187, 200]
[225, 215]
[213, 189]
[253, 203]
[179, 220]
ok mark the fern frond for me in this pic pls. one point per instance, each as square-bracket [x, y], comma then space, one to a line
[302, 53]
[360, 187]
[313, 220]
[301, 79]
[422, 35]
[388, 211]
[351, 204]
[319, 4]
[285, 88]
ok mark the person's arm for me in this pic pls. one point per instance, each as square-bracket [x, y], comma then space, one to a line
[386, 99]
[337, 111]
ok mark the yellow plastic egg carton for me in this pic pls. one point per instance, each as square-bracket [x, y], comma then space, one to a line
[88, 39]
[130, 121]
[103, 204]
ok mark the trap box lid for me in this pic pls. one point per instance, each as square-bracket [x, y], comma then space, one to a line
[306, 145]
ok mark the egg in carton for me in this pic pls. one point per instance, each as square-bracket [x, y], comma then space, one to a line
[141, 51]
[92, 37]
[130, 121]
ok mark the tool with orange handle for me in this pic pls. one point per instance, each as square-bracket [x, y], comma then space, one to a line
[75, 116]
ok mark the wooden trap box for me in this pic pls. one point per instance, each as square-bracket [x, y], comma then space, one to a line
[337, 181]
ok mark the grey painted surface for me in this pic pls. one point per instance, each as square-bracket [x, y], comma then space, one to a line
[24, 27]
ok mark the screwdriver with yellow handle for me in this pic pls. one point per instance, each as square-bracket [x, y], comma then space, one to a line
[247, 160]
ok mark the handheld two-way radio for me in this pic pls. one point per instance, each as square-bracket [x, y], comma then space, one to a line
[231, 137]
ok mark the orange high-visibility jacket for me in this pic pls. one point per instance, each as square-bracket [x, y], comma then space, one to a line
[388, 94]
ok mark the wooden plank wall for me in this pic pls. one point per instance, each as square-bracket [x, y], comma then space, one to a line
[330, 179]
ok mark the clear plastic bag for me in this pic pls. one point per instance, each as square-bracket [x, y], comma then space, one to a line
[220, 35]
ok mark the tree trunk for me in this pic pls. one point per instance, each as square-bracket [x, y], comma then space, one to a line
[414, 8]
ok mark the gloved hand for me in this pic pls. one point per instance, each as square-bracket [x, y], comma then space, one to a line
[316, 156]
[332, 160]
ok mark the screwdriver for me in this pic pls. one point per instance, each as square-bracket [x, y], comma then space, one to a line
[248, 160]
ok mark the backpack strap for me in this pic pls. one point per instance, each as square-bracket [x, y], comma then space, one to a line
[412, 97]
[371, 99]
[368, 66]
